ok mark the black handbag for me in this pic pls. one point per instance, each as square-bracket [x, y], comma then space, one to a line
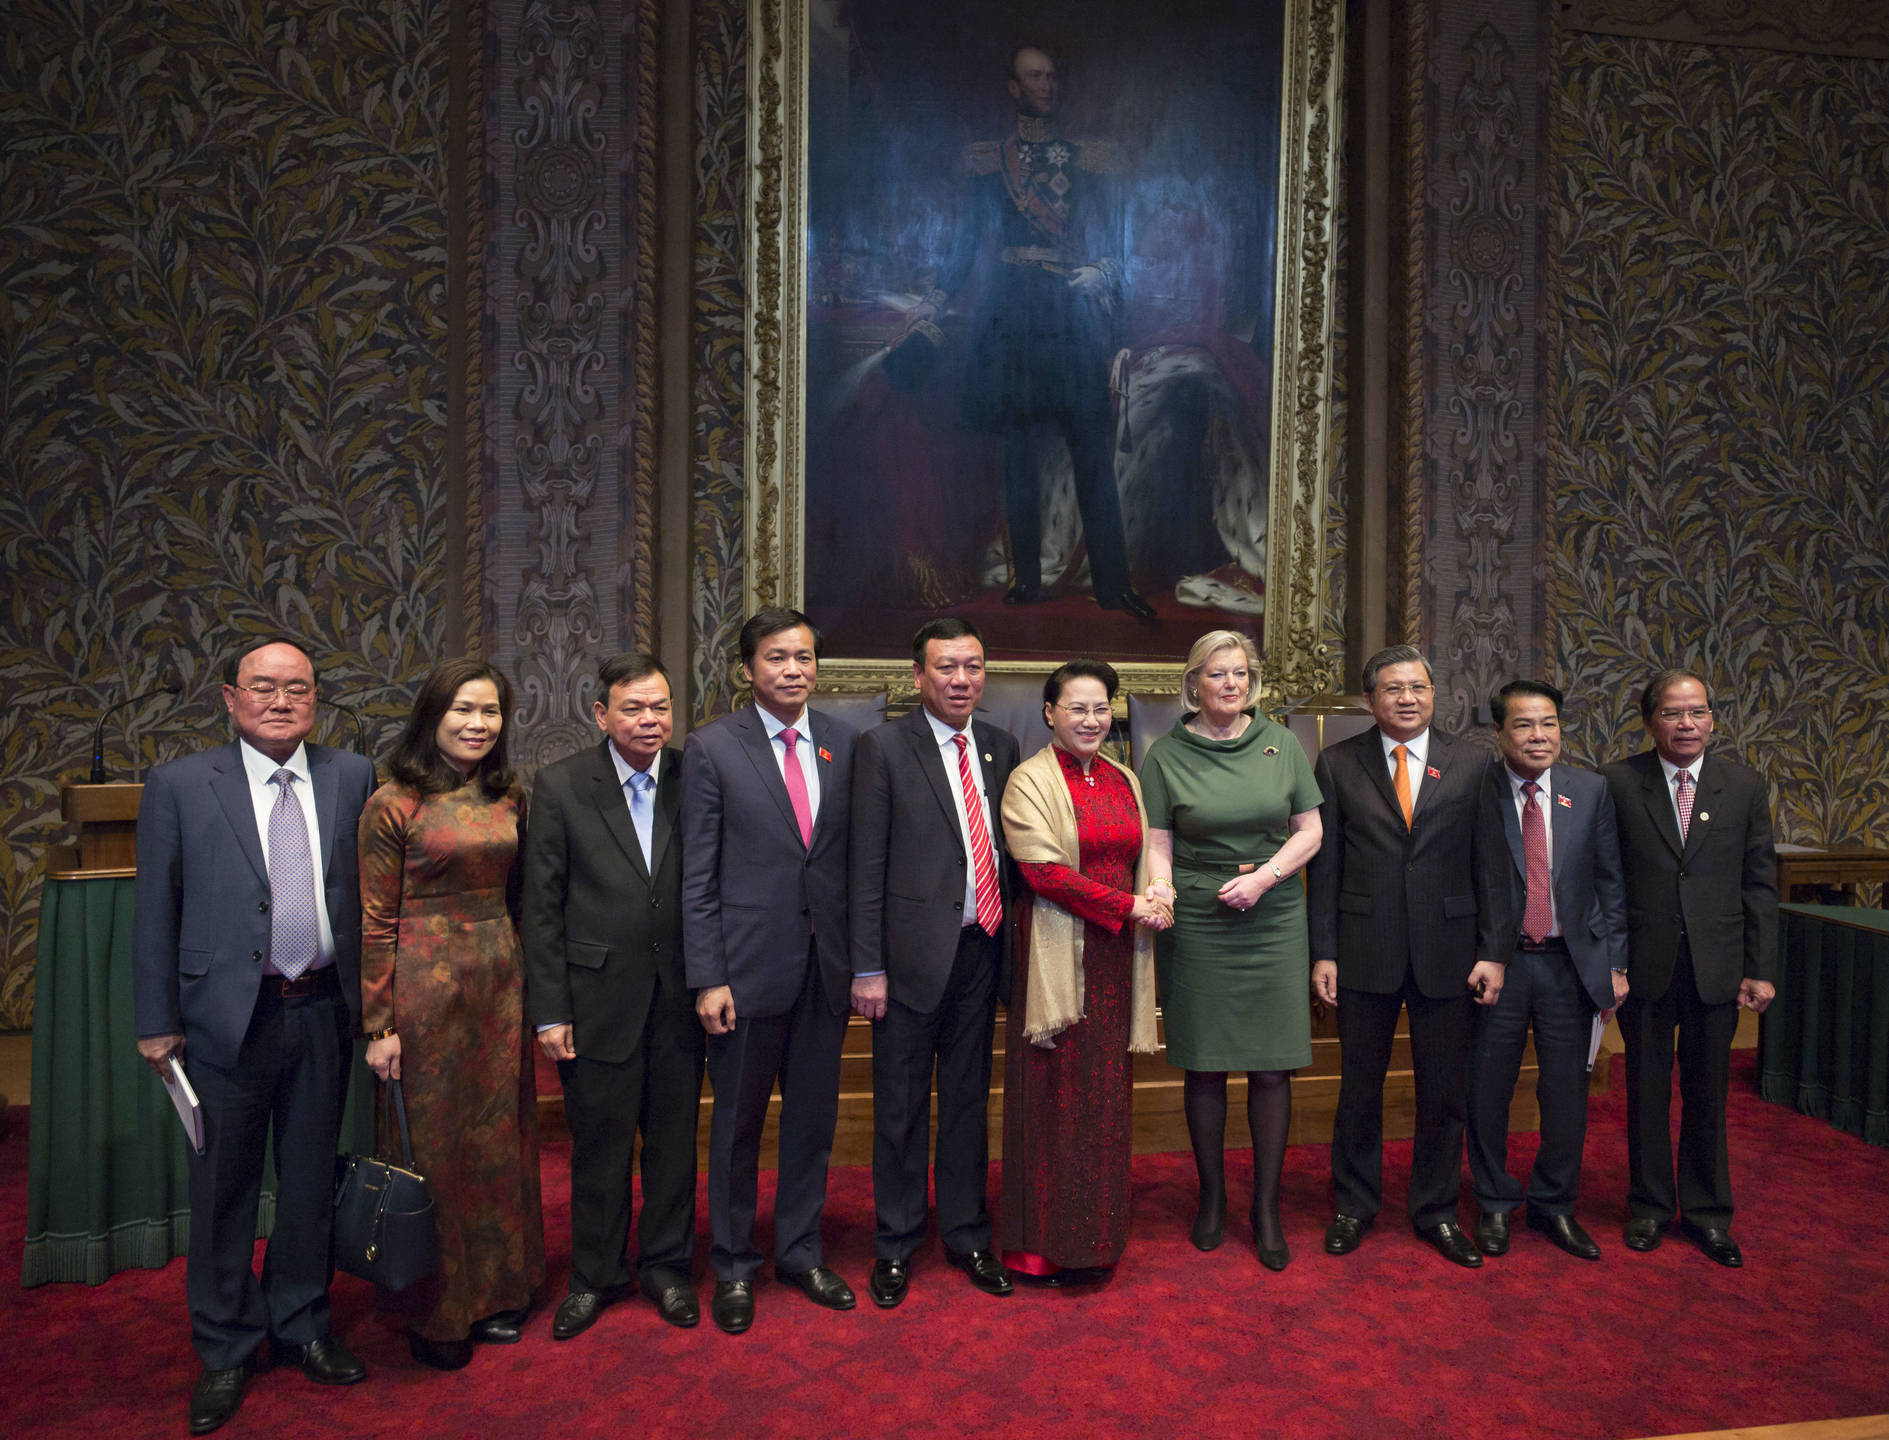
[384, 1212]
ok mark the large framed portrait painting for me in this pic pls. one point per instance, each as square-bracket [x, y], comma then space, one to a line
[1039, 329]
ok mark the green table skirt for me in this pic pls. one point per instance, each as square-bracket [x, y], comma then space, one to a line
[108, 1177]
[1823, 1045]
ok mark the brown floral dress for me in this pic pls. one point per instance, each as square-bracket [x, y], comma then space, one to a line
[440, 961]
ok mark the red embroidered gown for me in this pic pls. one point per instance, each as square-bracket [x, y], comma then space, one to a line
[1067, 1111]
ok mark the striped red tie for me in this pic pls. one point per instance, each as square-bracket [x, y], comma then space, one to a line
[990, 905]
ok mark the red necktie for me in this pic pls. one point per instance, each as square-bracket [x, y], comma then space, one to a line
[1684, 777]
[990, 905]
[1538, 919]
[797, 787]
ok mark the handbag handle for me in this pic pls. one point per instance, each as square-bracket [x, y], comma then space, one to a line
[392, 1094]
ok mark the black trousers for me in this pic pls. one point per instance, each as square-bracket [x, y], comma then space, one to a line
[1542, 988]
[291, 1073]
[801, 1050]
[1703, 1188]
[657, 1091]
[906, 1044]
[1088, 436]
[1440, 1037]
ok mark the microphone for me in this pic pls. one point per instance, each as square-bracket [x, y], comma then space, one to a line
[360, 725]
[98, 776]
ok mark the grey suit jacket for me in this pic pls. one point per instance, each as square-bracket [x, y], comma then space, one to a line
[908, 861]
[202, 928]
[1589, 895]
[1383, 900]
[599, 928]
[1717, 888]
[751, 891]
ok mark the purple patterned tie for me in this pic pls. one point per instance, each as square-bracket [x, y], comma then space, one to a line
[294, 924]
[1684, 779]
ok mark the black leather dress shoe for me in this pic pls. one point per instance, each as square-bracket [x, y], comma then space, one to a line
[440, 1354]
[325, 1361]
[1344, 1234]
[1644, 1234]
[733, 1305]
[1717, 1243]
[1452, 1242]
[887, 1283]
[820, 1285]
[1492, 1232]
[577, 1313]
[501, 1327]
[675, 1303]
[1021, 594]
[1566, 1232]
[1129, 603]
[985, 1269]
[217, 1396]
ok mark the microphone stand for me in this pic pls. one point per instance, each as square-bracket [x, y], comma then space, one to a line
[98, 775]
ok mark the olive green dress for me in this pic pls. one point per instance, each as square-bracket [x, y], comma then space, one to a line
[1235, 984]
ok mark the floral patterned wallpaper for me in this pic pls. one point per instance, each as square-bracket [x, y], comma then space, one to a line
[1720, 460]
[222, 376]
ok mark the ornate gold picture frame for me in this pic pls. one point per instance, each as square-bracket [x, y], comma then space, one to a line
[784, 280]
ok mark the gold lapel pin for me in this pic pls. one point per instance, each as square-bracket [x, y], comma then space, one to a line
[1704, 816]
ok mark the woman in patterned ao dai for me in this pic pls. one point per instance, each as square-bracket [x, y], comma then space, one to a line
[1083, 992]
[442, 1001]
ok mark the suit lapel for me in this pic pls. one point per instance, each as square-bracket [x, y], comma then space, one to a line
[995, 781]
[231, 787]
[1438, 758]
[1377, 768]
[613, 805]
[1657, 795]
[668, 805]
[930, 757]
[326, 783]
[761, 752]
[1511, 820]
[1705, 800]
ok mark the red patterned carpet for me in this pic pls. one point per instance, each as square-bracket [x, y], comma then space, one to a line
[1389, 1342]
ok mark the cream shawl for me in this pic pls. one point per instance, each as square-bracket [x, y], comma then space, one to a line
[1040, 829]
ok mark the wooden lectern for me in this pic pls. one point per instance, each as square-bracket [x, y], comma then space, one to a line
[105, 820]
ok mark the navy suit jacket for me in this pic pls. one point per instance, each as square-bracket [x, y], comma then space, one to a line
[750, 890]
[1590, 896]
[202, 929]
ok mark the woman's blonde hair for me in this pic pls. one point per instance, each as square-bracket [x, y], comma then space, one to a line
[1208, 646]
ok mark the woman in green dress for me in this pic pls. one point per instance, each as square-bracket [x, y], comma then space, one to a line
[1232, 818]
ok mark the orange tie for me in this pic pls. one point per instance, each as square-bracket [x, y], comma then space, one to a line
[1400, 781]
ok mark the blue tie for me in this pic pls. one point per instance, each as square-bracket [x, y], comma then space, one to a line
[643, 814]
[294, 924]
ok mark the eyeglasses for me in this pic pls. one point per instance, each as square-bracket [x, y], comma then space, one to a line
[1398, 692]
[1698, 715]
[263, 691]
[1086, 712]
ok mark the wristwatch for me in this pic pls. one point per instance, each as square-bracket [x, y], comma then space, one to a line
[1277, 873]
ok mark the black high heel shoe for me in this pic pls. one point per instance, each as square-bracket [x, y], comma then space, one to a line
[440, 1354]
[1274, 1259]
[1210, 1222]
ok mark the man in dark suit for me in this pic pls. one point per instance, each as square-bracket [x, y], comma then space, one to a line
[247, 966]
[766, 793]
[603, 959]
[927, 914]
[1564, 928]
[1399, 905]
[1695, 838]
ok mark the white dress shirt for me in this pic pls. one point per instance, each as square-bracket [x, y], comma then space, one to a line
[1416, 752]
[1672, 788]
[264, 794]
[803, 752]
